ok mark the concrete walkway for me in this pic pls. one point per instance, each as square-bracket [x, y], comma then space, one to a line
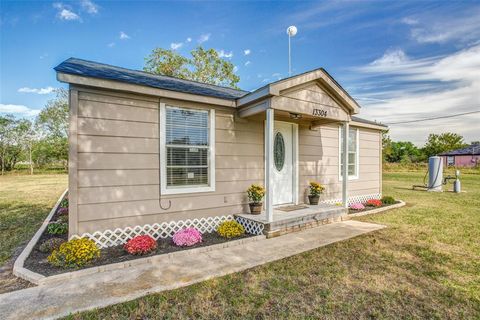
[102, 289]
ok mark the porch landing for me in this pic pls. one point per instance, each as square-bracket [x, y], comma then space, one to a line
[286, 222]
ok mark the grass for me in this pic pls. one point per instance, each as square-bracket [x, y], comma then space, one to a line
[25, 201]
[425, 265]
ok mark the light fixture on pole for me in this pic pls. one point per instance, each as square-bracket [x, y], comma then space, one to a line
[291, 31]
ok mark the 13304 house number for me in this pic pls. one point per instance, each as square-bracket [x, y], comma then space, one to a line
[319, 112]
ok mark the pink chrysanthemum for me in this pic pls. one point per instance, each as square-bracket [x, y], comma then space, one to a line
[187, 237]
[357, 206]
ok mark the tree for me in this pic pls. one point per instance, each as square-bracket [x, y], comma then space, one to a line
[204, 66]
[10, 145]
[27, 137]
[439, 143]
[53, 119]
[52, 123]
[403, 151]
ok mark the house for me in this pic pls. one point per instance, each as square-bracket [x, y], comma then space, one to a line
[465, 157]
[148, 149]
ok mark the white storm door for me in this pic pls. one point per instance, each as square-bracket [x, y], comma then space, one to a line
[283, 163]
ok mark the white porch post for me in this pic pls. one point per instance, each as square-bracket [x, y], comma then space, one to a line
[269, 125]
[345, 129]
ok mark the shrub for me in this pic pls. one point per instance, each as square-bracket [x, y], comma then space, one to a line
[374, 203]
[187, 237]
[230, 229]
[316, 188]
[64, 203]
[74, 253]
[388, 200]
[357, 206]
[51, 244]
[140, 245]
[62, 219]
[62, 211]
[255, 193]
[57, 228]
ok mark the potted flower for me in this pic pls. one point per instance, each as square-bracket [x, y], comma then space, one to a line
[255, 195]
[315, 190]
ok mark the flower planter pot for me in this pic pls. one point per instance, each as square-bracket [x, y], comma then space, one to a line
[313, 199]
[255, 208]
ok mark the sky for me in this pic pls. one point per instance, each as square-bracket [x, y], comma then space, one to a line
[400, 60]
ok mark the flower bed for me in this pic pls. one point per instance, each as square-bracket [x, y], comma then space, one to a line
[37, 261]
[371, 205]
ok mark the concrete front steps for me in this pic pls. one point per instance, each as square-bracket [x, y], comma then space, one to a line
[297, 220]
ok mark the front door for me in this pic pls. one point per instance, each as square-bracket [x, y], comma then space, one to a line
[283, 163]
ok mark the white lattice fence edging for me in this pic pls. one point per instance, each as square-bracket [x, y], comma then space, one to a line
[110, 238]
[355, 199]
[251, 227]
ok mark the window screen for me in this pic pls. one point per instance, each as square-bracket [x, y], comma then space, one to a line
[352, 152]
[187, 144]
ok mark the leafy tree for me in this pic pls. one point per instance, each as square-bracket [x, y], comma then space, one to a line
[204, 66]
[53, 119]
[10, 146]
[439, 143]
[27, 136]
[52, 123]
[403, 151]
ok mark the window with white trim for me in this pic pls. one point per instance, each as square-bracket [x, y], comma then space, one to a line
[187, 150]
[450, 161]
[353, 153]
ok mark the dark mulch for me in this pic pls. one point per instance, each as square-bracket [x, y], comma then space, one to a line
[368, 208]
[37, 261]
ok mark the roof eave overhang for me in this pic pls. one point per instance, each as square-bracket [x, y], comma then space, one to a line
[368, 125]
[140, 89]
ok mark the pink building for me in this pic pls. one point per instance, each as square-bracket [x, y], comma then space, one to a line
[465, 157]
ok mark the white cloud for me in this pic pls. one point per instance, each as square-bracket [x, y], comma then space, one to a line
[247, 52]
[434, 27]
[46, 90]
[204, 38]
[391, 58]
[247, 63]
[235, 69]
[89, 6]
[111, 44]
[189, 39]
[409, 89]
[277, 75]
[224, 54]
[65, 12]
[176, 45]
[123, 36]
[409, 21]
[18, 109]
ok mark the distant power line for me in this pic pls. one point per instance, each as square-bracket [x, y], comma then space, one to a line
[435, 118]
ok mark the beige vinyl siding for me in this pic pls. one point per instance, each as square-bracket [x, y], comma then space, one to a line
[318, 161]
[118, 163]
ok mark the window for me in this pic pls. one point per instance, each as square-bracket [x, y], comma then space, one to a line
[279, 151]
[450, 161]
[187, 150]
[353, 150]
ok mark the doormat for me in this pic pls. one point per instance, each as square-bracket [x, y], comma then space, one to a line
[292, 208]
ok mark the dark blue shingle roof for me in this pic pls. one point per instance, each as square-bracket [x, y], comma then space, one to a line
[104, 71]
[473, 149]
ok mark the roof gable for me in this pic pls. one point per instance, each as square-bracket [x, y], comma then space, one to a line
[318, 76]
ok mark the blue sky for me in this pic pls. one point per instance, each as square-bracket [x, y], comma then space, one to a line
[400, 60]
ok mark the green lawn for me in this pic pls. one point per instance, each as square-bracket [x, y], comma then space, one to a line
[25, 201]
[426, 264]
